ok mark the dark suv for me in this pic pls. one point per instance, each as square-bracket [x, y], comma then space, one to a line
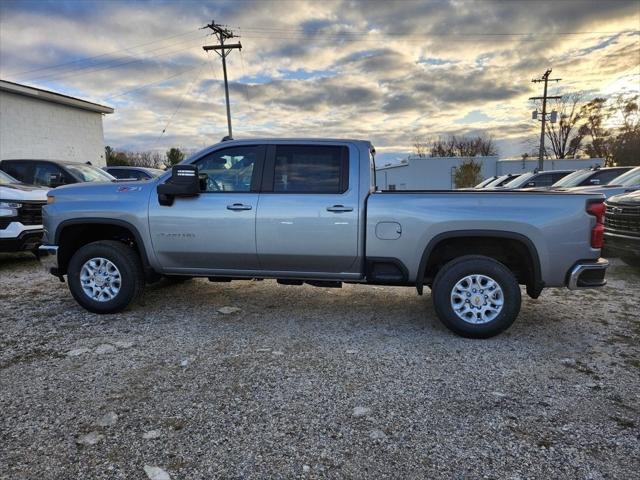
[133, 173]
[590, 177]
[53, 173]
[537, 179]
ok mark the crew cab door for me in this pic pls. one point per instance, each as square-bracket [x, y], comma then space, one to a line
[215, 230]
[308, 211]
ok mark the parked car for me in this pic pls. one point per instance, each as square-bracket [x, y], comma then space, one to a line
[133, 173]
[622, 227]
[537, 179]
[590, 177]
[501, 180]
[53, 173]
[309, 211]
[625, 183]
[486, 182]
[20, 214]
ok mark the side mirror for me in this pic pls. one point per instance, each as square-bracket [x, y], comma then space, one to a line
[183, 182]
[595, 181]
[55, 180]
[531, 184]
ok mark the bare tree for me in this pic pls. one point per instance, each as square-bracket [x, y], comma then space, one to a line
[420, 147]
[625, 147]
[486, 146]
[595, 113]
[146, 159]
[463, 146]
[564, 136]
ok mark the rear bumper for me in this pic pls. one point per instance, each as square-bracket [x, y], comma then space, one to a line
[48, 255]
[588, 274]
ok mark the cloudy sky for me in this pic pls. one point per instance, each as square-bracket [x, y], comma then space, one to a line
[388, 71]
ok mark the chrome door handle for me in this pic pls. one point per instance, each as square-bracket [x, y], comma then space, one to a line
[238, 206]
[339, 208]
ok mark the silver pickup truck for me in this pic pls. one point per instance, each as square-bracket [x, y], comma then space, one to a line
[308, 211]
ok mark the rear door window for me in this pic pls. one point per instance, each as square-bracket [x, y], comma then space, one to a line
[558, 175]
[311, 169]
[18, 170]
[543, 180]
[603, 177]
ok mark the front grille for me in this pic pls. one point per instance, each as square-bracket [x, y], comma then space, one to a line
[624, 218]
[30, 213]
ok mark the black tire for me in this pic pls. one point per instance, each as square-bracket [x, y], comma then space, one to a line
[456, 270]
[127, 262]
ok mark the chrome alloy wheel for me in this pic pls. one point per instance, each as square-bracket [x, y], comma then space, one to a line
[100, 279]
[477, 299]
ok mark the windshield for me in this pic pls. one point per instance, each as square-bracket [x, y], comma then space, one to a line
[521, 180]
[627, 179]
[573, 179]
[88, 173]
[496, 181]
[486, 182]
[6, 179]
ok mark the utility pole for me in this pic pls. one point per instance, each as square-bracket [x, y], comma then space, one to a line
[222, 49]
[545, 78]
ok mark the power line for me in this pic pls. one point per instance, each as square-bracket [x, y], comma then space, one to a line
[141, 87]
[99, 67]
[78, 60]
[306, 33]
[184, 96]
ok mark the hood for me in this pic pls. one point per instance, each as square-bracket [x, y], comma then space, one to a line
[606, 190]
[632, 198]
[22, 191]
[114, 190]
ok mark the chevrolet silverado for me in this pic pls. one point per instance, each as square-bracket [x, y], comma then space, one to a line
[308, 211]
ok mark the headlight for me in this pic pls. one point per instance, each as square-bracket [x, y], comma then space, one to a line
[9, 208]
[50, 199]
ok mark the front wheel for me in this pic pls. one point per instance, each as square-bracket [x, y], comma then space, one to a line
[476, 296]
[105, 276]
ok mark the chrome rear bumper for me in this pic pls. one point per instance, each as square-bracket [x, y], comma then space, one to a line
[588, 274]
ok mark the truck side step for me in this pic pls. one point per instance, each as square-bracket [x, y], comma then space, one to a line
[314, 283]
[285, 281]
[324, 283]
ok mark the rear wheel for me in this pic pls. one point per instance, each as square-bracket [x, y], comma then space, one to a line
[476, 296]
[105, 276]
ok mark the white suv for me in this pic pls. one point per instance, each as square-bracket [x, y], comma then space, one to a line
[20, 214]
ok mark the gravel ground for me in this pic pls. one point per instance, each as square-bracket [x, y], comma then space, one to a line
[304, 382]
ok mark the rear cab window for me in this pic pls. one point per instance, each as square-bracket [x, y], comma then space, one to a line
[310, 169]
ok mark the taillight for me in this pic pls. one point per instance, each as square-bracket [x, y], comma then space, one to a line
[597, 208]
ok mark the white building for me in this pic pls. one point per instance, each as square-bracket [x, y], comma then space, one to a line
[437, 173]
[39, 124]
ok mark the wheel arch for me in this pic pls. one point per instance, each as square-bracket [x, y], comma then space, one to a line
[88, 230]
[533, 282]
